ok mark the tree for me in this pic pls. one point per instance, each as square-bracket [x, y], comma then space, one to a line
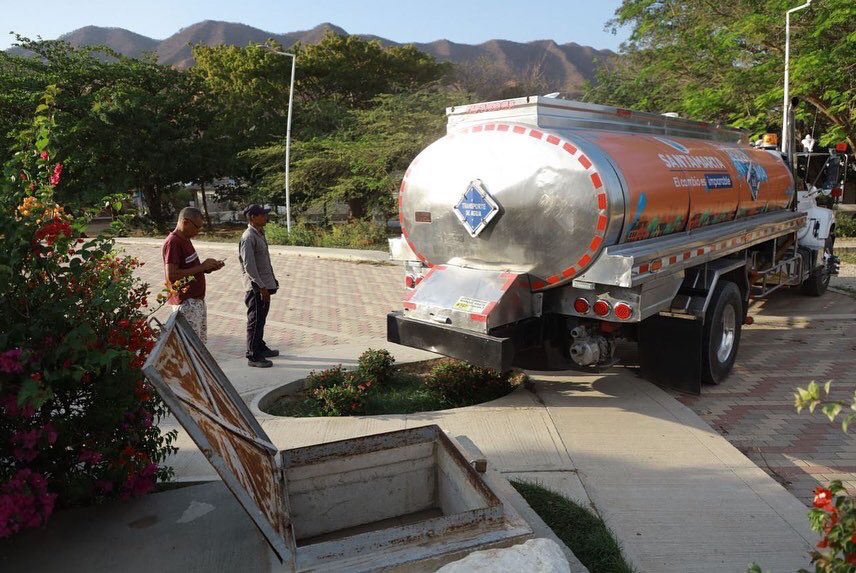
[363, 165]
[722, 61]
[121, 123]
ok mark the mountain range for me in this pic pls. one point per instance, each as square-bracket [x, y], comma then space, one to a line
[559, 67]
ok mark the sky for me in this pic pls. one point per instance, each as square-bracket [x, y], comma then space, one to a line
[462, 21]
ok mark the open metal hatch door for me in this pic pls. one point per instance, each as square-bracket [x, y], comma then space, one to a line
[208, 407]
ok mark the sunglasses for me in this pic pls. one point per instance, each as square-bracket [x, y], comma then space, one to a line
[195, 224]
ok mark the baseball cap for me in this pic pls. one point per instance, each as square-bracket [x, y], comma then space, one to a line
[255, 209]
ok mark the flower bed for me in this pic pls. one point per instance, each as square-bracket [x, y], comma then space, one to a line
[377, 387]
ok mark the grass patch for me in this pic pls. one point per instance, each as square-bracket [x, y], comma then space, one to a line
[583, 532]
[381, 388]
[847, 257]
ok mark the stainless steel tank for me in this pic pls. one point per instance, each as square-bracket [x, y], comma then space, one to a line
[513, 195]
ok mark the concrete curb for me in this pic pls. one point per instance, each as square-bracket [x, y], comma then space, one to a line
[350, 255]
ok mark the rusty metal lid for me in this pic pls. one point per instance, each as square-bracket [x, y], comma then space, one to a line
[206, 404]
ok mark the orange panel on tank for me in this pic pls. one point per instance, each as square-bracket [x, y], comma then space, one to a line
[674, 184]
[653, 206]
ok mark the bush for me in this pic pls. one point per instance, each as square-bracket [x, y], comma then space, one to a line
[460, 383]
[77, 419]
[343, 399]
[301, 235]
[354, 235]
[845, 225]
[377, 365]
[326, 378]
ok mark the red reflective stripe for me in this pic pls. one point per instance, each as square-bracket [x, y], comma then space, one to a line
[656, 265]
[478, 317]
[673, 260]
[569, 148]
[538, 284]
[584, 161]
[584, 260]
[595, 243]
[601, 223]
[553, 279]
[569, 272]
[601, 201]
[553, 139]
[643, 269]
[595, 178]
[700, 252]
[502, 127]
[477, 128]
[687, 255]
[509, 280]
[489, 127]
[535, 133]
[410, 305]
[519, 129]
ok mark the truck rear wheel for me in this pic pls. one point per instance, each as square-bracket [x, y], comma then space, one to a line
[818, 281]
[721, 335]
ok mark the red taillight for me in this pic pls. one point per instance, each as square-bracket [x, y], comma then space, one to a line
[602, 308]
[837, 192]
[623, 310]
[409, 281]
[581, 306]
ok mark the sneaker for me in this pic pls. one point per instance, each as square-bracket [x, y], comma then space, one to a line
[268, 353]
[260, 363]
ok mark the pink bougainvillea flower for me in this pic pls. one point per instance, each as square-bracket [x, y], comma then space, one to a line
[56, 175]
[10, 405]
[10, 361]
[850, 558]
[50, 433]
[90, 457]
[44, 155]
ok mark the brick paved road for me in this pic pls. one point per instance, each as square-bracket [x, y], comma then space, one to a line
[320, 301]
[795, 339]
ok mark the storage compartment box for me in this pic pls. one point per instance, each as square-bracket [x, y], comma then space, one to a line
[405, 500]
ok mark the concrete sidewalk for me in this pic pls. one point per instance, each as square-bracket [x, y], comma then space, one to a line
[678, 496]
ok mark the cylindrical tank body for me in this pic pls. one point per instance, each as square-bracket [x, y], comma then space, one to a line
[499, 195]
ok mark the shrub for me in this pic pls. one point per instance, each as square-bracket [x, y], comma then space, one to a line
[377, 365]
[845, 225]
[77, 419]
[460, 383]
[354, 234]
[343, 399]
[335, 376]
[301, 235]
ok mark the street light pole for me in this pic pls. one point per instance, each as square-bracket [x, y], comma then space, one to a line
[785, 101]
[288, 138]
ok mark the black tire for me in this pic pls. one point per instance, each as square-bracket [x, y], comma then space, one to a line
[721, 336]
[818, 281]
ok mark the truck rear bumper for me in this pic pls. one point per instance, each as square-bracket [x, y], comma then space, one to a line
[478, 349]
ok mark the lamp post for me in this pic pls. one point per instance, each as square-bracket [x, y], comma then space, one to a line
[785, 101]
[288, 137]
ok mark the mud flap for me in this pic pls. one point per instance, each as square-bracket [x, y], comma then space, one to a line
[670, 352]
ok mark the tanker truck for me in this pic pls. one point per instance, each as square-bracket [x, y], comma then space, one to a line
[538, 232]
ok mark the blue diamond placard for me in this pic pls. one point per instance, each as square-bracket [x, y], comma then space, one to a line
[476, 208]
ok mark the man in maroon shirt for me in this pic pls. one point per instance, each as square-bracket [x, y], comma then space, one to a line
[179, 261]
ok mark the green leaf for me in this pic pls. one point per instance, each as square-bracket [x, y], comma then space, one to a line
[34, 393]
[831, 410]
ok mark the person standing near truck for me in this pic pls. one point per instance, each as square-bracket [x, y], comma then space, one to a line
[259, 284]
[180, 260]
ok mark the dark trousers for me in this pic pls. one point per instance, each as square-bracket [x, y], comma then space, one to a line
[257, 311]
